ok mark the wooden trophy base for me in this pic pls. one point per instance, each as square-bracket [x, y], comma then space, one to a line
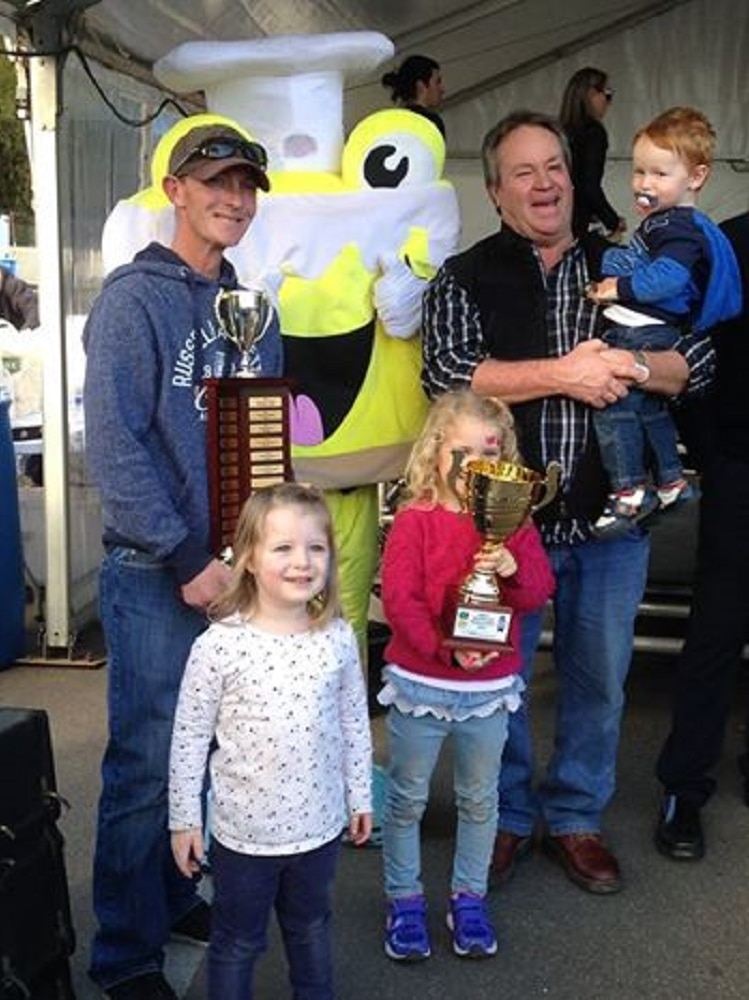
[249, 446]
[477, 625]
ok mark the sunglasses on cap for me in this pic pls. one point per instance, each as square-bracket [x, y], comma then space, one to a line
[224, 149]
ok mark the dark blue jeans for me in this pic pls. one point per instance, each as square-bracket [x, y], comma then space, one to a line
[599, 587]
[138, 890]
[246, 889]
[637, 432]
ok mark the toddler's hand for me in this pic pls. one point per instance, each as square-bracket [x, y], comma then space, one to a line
[604, 291]
[187, 848]
[472, 660]
[360, 828]
[496, 559]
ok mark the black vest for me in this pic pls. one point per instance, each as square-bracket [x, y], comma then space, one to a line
[501, 276]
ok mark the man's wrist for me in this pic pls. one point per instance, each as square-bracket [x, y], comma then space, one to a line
[642, 366]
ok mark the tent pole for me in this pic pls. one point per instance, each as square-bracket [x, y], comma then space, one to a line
[44, 78]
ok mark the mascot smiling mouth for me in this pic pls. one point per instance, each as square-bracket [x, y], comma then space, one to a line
[329, 375]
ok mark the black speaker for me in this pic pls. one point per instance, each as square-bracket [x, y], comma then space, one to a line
[36, 927]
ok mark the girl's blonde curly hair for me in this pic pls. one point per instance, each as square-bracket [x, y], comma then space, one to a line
[242, 594]
[422, 483]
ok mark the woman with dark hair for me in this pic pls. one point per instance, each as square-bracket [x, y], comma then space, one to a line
[417, 85]
[585, 101]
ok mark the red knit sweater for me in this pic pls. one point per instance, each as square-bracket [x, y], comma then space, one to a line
[431, 549]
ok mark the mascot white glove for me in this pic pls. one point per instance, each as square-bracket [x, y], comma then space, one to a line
[397, 297]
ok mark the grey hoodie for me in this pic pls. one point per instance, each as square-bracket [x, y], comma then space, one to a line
[151, 338]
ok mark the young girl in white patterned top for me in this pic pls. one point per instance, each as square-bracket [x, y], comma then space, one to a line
[273, 692]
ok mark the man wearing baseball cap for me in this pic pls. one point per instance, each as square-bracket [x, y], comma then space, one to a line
[208, 150]
[151, 338]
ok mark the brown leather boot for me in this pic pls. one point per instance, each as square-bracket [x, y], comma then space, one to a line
[585, 859]
[509, 848]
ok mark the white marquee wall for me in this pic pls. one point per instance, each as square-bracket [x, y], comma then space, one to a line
[696, 54]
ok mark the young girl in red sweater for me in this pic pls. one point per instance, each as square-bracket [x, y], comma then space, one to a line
[435, 692]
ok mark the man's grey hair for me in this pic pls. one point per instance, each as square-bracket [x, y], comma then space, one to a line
[499, 132]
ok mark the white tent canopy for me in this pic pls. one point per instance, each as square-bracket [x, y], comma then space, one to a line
[496, 55]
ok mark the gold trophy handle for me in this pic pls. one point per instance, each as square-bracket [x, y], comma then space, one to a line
[551, 485]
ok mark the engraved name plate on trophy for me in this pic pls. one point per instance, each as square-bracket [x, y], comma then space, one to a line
[249, 420]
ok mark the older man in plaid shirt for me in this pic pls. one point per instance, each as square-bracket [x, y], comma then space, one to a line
[510, 317]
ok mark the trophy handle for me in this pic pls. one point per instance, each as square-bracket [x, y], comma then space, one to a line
[550, 484]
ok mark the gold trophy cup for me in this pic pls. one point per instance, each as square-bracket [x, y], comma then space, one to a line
[245, 314]
[499, 496]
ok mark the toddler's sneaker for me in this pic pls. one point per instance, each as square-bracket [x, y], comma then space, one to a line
[472, 930]
[676, 493]
[406, 934]
[623, 510]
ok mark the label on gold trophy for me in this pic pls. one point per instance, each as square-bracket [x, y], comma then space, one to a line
[499, 496]
[249, 418]
[481, 624]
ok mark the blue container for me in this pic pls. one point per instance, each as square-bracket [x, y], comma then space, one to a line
[12, 592]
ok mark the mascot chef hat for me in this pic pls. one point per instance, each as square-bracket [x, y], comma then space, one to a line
[287, 90]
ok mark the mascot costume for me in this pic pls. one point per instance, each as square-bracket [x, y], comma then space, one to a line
[344, 242]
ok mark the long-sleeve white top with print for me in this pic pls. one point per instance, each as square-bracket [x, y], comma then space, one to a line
[292, 756]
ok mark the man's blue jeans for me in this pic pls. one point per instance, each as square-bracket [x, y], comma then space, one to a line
[247, 890]
[599, 587]
[414, 746]
[138, 890]
[637, 432]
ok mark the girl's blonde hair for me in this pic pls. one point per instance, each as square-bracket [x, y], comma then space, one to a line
[242, 594]
[422, 475]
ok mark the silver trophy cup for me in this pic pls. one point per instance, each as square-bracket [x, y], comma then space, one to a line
[245, 314]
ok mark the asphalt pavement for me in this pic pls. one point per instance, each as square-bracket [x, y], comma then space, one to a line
[677, 931]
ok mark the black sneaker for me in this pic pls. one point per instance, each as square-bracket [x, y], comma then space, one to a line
[151, 986]
[195, 926]
[679, 834]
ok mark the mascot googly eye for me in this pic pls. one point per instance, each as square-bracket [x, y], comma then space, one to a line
[393, 149]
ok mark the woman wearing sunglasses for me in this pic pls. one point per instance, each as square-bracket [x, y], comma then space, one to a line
[585, 102]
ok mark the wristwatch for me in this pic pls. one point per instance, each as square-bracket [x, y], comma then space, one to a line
[642, 366]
